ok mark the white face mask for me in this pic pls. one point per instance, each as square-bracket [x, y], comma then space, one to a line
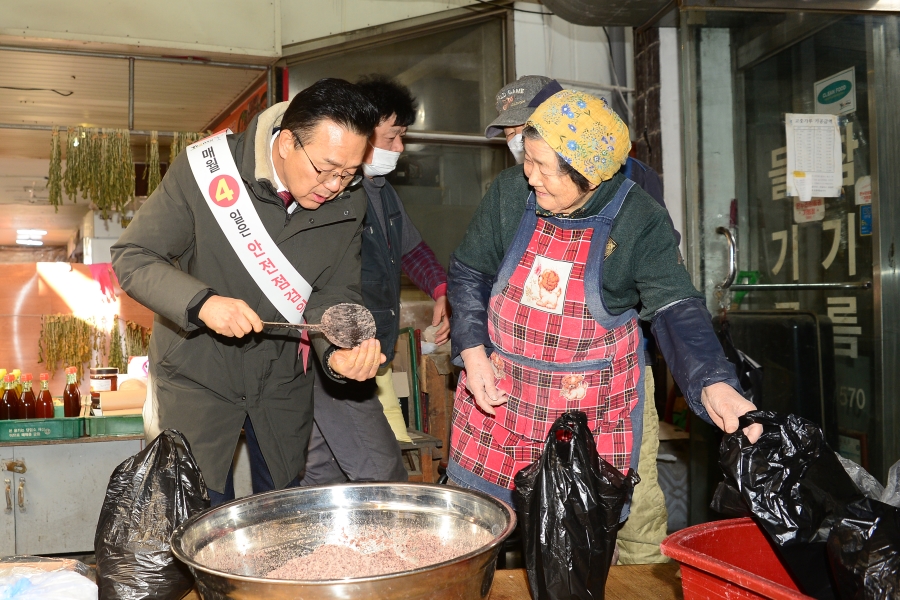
[517, 147]
[383, 162]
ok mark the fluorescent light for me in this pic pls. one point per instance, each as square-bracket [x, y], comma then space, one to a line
[29, 242]
[31, 233]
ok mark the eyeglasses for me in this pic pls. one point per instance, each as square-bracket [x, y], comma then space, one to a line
[530, 165]
[327, 177]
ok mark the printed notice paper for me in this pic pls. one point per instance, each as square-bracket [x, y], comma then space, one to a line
[814, 166]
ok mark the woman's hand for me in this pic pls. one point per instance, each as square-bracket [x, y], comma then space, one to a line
[441, 314]
[480, 379]
[725, 405]
[360, 363]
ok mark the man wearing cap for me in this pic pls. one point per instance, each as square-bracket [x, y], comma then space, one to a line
[517, 101]
[562, 258]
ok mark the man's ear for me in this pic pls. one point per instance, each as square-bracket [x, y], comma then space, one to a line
[286, 143]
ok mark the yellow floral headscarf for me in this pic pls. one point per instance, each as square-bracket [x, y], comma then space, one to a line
[585, 131]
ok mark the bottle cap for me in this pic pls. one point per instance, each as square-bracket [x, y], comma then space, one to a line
[26, 376]
[70, 370]
[10, 378]
[17, 372]
[45, 376]
[104, 371]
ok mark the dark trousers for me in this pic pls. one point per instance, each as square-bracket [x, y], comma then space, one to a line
[351, 439]
[260, 477]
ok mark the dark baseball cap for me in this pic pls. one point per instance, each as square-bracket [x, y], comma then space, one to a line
[513, 103]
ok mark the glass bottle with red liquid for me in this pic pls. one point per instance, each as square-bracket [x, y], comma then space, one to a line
[43, 408]
[71, 395]
[27, 403]
[9, 402]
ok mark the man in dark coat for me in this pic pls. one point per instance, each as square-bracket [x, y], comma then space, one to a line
[213, 369]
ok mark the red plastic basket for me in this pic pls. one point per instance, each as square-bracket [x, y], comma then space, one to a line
[729, 559]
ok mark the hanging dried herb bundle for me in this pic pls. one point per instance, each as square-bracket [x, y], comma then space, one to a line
[181, 140]
[74, 150]
[121, 189]
[65, 340]
[54, 179]
[93, 167]
[153, 172]
[116, 356]
[99, 339]
[99, 167]
[137, 339]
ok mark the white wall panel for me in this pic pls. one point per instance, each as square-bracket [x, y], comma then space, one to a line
[547, 45]
[199, 26]
[304, 20]
[670, 126]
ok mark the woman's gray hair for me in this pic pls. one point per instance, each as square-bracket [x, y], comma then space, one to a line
[583, 185]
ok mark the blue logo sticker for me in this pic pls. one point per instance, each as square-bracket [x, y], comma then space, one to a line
[865, 220]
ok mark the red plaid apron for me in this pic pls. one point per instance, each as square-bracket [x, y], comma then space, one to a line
[552, 354]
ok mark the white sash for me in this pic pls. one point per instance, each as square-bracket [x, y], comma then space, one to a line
[232, 206]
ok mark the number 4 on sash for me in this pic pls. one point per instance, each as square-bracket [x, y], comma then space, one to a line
[223, 192]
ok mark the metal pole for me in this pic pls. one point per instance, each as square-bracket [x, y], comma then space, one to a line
[453, 138]
[131, 93]
[596, 86]
[783, 287]
[271, 100]
[28, 127]
[180, 61]
[412, 136]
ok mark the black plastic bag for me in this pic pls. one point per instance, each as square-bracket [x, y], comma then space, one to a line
[148, 496]
[569, 505]
[864, 551]
[795, 488]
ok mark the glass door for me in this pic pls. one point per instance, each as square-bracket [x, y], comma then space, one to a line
[814, 288]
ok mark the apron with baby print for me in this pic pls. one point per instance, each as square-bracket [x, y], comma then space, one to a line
[556, 348]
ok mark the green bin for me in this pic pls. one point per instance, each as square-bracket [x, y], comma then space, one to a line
[118, 425]
[30, 430]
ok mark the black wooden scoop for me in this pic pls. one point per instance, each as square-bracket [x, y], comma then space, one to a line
[345, 325]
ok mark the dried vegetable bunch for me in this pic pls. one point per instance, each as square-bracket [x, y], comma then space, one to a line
[153, 174]
[182, 140]
[117, 357]
[100, 167]
[67, 340]
[54, 179]
[137, 339]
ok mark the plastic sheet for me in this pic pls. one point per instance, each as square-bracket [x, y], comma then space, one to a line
[864, 551]
[795, 487]
[867, 484]
[32, 584]
[891, 494]
[148, 496]
[569, 504]
[40, 578]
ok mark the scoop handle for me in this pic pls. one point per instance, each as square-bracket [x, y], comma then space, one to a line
[298, 326]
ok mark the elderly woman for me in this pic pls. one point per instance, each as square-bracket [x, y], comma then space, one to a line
[547, 288]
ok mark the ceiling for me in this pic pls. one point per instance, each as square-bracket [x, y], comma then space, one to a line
[92, 92]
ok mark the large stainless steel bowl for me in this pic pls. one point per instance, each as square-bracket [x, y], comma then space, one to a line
[257, 532]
